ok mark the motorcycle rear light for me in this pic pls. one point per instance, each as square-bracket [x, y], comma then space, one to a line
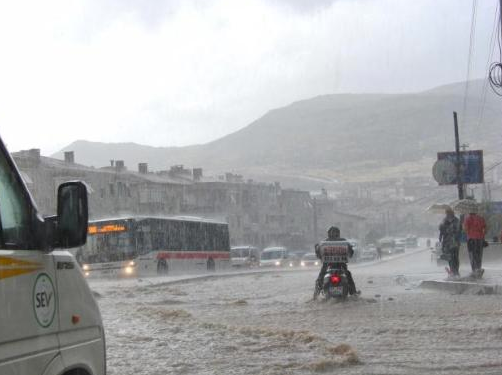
[335, 279]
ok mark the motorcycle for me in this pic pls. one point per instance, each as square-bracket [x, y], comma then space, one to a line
[335, 283]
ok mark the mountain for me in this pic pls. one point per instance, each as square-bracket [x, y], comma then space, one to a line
[332, 137]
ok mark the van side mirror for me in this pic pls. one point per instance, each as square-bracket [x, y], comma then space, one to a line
[72, 214]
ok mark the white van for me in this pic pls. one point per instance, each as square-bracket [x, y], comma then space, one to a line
[244, 256]
[49, 321]
[274, 257]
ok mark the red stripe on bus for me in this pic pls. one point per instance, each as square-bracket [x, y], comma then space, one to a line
[193, 255]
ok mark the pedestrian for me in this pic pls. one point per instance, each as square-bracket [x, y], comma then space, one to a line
[475, 228]
[449, 236]
[379, 252]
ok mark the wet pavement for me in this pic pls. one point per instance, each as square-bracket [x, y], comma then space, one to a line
[267, 323]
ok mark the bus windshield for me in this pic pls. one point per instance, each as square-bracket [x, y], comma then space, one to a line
[109, 247]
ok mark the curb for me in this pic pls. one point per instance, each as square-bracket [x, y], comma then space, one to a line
[461, 287]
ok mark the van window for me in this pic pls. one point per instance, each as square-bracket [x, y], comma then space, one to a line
[273, 254]
[14, 212]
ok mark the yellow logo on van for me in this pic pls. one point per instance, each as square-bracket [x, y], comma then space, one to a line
[11, 267]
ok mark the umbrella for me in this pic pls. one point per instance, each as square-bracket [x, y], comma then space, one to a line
[465, 206]
[438, 208]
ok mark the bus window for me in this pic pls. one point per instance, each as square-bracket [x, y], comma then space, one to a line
[176, 233]
[208, 243]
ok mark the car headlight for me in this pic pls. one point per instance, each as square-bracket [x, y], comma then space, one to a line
[302, 263]
[131, 263]
[277, 263]
[85, 267]
[316, 263]
[128, 270]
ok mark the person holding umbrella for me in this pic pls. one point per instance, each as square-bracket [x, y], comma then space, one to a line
[449, 236]
[475, 228]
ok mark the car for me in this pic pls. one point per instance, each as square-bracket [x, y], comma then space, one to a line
[276, 256]
[244, 256]
[387, 245]
[310, 260]
[293, 260]
[411, 241]
[368, 253]
[400, 245]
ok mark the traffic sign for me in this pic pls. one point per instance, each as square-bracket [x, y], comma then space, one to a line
[471, 167]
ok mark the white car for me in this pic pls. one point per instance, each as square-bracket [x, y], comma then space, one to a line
[244, 256]
[310, 260]
[400, 245]
[368, 254]
[274, 257]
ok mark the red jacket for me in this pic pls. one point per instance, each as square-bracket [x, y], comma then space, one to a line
[475, 227]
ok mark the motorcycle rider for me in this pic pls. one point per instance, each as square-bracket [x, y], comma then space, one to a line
[334, 235]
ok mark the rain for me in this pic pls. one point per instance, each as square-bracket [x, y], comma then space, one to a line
[273, 187]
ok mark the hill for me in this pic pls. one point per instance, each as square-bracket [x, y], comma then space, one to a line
[332, 137]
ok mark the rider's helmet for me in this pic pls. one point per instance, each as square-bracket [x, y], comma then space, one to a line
[333, 232]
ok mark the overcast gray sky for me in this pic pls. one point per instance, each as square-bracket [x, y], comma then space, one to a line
[171, 73]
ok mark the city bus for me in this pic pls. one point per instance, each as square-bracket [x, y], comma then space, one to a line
[143, 246]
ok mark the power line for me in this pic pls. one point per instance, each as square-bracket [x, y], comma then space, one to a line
[493, 166]
[495, 70]
[495, 31]
[469, 56]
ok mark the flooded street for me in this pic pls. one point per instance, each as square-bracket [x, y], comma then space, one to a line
[267, 323]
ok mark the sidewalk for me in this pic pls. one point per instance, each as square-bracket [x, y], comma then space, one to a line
[491, 283]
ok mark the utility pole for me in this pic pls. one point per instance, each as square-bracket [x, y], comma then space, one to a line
[460, 187]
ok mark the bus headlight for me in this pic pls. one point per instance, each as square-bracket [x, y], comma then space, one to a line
[128, 270]
[85, 267]
[86, 274]
[131, 263]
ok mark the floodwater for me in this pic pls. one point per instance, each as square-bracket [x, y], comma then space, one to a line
[267, 323]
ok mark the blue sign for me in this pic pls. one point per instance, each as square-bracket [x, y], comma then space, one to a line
[471, 165]
[496, 207]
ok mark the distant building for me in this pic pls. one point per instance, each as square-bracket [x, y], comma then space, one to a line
[113, 190]
[257, 213]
